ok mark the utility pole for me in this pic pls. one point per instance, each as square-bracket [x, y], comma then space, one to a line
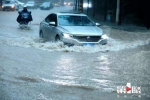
[105, 9]
[118, 13]
[75, 5]
[62, 2]
[94, 9]
[0, 4]
[81, 6]
[87, 7]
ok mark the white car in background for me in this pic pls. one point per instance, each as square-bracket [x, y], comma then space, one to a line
[21, 4]
[10, 5]
[30, 4]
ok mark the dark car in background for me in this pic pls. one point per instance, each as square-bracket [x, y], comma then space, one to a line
[46, 6]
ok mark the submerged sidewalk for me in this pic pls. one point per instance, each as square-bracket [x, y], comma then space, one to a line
[125, 27]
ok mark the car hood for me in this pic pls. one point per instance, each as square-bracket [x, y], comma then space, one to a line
[29, 4]
[8, 4]
[83, 30]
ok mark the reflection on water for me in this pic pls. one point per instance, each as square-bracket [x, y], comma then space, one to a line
[73, 76]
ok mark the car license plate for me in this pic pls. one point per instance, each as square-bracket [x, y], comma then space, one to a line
[90, 44]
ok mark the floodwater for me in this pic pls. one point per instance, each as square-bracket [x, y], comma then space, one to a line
[32, 69]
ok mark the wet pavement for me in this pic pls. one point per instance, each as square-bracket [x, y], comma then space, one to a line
[32, 69]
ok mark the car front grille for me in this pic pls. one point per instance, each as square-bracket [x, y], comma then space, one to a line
[7, 7]
[87, 38]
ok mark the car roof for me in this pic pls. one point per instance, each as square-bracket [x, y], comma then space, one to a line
[30, 1]
[9, 1]
[70, 13]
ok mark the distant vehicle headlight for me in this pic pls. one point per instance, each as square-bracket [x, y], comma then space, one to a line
[12, 6]
[69, 4]
[65, 3]
[67, 35]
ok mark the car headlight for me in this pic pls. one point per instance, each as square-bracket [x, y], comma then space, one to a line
[12, 6]
[67, 35]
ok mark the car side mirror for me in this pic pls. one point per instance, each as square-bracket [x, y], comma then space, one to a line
[52, 23]
[97, 24]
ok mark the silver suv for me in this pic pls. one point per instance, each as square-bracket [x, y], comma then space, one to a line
[30, 4]
[10, 5]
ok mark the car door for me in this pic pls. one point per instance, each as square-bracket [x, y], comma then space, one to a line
[51, 29]
[44, 26]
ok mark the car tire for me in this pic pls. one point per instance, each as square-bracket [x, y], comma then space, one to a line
[104, 42]
[41, 34]
[57, 38]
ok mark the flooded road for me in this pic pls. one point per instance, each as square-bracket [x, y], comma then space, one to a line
[32, 69]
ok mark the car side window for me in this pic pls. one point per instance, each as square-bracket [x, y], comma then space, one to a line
[51, 18]
[48, 18]
[55, 19]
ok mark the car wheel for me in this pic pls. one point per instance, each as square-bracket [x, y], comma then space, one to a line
[41, 34]
[104, 42]
[57, 38]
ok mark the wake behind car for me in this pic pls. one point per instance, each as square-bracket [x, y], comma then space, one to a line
[10, 5]
[72, 29]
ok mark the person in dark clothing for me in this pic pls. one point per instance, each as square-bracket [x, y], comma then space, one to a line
[24, 16]
[147, 21]
[145, 9]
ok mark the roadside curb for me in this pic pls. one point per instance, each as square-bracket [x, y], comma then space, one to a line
[123, 26]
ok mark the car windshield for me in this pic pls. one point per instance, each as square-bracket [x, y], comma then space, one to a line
[31, 2]
[9, 2]
[74, 20]
[46, 3]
